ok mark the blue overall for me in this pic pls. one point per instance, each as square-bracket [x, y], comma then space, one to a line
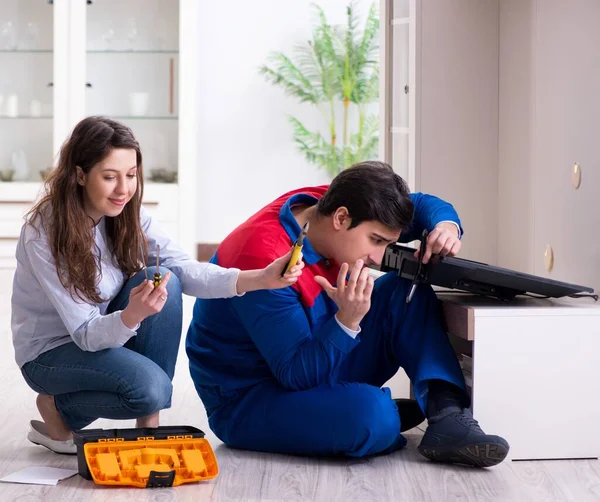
[277, 373]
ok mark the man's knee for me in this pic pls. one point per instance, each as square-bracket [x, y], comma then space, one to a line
[372, 421]
[390, 295]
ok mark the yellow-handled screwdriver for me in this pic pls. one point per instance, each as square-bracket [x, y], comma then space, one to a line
[144, 261]
[296, 250]
[157, 275]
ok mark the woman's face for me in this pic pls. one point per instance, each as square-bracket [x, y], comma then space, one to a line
[110, 184]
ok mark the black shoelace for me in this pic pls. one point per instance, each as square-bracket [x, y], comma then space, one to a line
[466, 418]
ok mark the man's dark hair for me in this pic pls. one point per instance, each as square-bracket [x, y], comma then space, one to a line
[371, 191]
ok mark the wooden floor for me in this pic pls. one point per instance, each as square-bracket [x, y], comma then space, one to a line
[248, 476]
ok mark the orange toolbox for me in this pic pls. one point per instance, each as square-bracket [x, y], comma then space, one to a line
[146, 458]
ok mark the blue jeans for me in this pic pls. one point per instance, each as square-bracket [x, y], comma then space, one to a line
[128, 382]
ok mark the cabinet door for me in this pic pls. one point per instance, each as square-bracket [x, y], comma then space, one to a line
[568, 121]
[400, 134]
[132, 62]
[131, 75]
[26, 89]
[398, 86]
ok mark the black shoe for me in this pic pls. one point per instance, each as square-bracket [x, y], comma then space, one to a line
[457, 438]
[410, 414]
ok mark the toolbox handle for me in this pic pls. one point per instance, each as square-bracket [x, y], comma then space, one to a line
[160, 479]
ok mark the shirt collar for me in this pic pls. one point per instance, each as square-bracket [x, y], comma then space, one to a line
[292, 228]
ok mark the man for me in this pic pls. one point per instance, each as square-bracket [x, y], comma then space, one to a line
[299, 370]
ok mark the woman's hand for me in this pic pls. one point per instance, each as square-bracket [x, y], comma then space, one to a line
[270, 277]
[144, 301]
[352, 298]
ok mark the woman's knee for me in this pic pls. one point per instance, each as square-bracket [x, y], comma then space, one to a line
[153, 395]
[174, 291]
[174, 284]
[173, 308]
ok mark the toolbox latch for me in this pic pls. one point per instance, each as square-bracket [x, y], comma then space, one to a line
[160, 479]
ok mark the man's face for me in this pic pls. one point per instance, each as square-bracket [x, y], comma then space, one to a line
[367, 241]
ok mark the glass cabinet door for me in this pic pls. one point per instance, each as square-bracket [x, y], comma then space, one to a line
[26, 94]
[132, 65]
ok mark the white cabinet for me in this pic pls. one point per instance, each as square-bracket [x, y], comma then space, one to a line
[534, 371]
[67, 59]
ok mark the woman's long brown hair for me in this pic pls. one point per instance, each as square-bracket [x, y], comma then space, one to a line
[70, 230]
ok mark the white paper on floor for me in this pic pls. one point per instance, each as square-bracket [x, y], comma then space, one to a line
[37, 475]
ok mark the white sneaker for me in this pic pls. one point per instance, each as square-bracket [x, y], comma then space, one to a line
[39, 435]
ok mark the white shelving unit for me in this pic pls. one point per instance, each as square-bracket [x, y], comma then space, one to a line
[68, 59]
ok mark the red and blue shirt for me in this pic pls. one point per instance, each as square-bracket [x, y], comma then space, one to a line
[289, 334]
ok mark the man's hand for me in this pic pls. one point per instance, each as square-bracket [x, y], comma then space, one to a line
[354, 298]
[443, 240]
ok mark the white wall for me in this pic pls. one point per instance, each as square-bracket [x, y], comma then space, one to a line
[246, 153]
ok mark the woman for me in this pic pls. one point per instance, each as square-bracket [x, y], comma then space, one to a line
[92, 336]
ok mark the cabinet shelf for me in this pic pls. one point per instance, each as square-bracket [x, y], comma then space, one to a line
[26, 51]
[117, 51]
[144, 117]
[25, 117]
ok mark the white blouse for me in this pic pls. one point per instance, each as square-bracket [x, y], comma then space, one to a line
[45, 316]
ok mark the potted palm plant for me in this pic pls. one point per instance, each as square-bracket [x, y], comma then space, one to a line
[338, 65]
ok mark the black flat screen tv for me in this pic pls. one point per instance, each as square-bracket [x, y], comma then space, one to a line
[473, 277]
